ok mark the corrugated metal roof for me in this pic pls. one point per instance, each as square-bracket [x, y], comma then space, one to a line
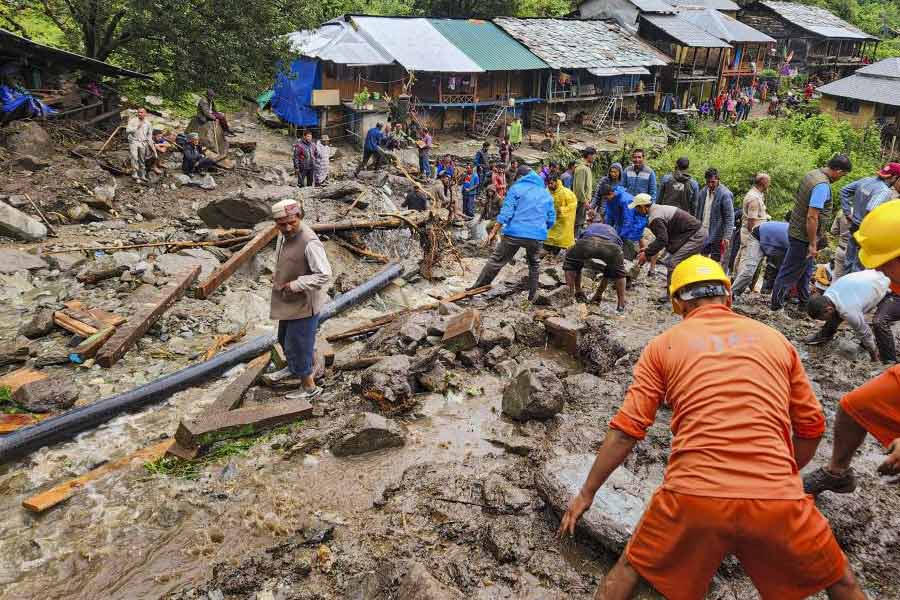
[685, 32]
[614, 71]
[337, 41]
[869, 88]
[724, 27]
[582, 44]
[817, 20]
[713, 4]
[889, 67]
[416, 44]
[652, 6]
[488, 45]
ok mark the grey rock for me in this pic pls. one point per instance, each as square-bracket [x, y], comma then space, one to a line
[102, 268]
[528, 331]
[13, 261]
[471, 358]
[66, 262]
[16, 352]
[504, 540]
[246, 208]
[448, 308]
[582, 387]
[419, 584]
[27, 137]
[103, 197]
[435, 379]
[534, 393]
[40, 324]
[368, 432]
[617, 507]
[54, 356]
[503, 497]
[32, 163]
[386, 384]
[496, 332]
[46, 395]
[507, 368]
[182, 179]
[172, 264]
[495, 356]
[18, 201]
[412, 332]
[205, 183]
[16, 224]
[126, 258]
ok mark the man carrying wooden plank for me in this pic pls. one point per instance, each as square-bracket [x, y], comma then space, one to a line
[302, 273]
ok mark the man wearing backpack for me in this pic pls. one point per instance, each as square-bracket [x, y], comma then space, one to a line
[678, 188]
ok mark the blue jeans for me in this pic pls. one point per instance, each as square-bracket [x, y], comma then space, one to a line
[298, 338]
[796, 268]
[851, 259]
[468, 205]
[425, 165]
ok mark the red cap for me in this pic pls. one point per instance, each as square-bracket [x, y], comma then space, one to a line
[890, 170]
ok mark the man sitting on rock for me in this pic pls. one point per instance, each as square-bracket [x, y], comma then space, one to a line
[732, 484]
[302, 273]
[194, 158]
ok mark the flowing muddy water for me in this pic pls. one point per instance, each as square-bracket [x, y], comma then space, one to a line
[138, 535]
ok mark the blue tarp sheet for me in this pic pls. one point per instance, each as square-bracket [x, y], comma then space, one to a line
[293, 93]
[11, 99]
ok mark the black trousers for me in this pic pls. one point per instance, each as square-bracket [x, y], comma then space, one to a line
[504, 252]
[887, 313]
[305, 178]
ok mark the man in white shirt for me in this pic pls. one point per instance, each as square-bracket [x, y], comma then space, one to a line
[140, 144]
[849, 299]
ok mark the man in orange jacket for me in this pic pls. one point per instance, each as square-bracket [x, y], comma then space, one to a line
[744, 422]
[875, 406]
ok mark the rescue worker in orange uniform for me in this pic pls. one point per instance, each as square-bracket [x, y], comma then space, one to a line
[744, 422]
[875, 406]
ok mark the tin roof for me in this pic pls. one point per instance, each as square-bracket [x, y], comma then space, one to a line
[337, 41]
[653, 6]
[724, 27]
[416, 44]
[17, 45]
[488, 45]
[879, 82]
[581, 44]
[684, 31]
[713, 4]
[817, 20]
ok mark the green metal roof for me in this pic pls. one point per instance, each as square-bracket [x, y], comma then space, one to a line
[487, 45]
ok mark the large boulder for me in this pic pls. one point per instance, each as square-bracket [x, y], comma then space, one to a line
[617, 507]
[16, 224]
[40, 324]
[386, 383]
[27, 137]
[14, 261]
[367, 432]
[535, 392]
[246, 208]
[173, 264]
[47, 395]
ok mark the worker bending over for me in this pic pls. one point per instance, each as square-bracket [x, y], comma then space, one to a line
[874, 407]
[744, 422]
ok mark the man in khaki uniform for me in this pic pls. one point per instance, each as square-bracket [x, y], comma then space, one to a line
[302, 272]
[754, 213]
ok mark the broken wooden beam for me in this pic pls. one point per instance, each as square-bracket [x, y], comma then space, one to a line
[383, 320]
[231, 396]
[76, 309]
[64, 491]
[16, 379]
[89, 347]
[128, 335]
[387, 223]
[240, 422]
[217, 277]
[74, 325]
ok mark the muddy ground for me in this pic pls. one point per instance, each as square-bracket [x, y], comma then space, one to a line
[453, 513]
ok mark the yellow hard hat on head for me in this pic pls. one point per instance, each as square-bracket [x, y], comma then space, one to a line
[878, 235]
[696, 269]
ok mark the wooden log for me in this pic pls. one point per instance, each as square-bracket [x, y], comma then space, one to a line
[89, 347]
[240, 422]
[16, 379]
[217, 277]
[64, 491]
[127, 335]
[107, 318]
[16, 421]
[74, 325]
[383, 320]
[231, 396]
[361, 251]
[387, 223]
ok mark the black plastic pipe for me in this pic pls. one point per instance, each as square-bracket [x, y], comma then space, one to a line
[69, 424]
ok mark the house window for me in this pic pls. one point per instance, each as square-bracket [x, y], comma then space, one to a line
[848, 105]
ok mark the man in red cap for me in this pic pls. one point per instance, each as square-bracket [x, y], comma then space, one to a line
[855, 200]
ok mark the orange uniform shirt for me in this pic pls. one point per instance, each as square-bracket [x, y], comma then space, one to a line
[738, 393]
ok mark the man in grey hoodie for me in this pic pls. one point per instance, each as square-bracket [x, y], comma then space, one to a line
[678, 188]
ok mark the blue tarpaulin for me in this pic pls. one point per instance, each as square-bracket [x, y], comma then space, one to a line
[12, 99]
[293, 93]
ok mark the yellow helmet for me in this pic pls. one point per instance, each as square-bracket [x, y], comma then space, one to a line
[878, 235]
[695, 269]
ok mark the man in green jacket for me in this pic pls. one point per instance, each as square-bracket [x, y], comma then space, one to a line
[583, 186]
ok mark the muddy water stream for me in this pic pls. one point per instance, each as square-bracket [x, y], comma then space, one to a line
[138, 535]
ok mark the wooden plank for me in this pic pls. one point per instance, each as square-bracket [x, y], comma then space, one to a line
[74, 325]
[231, 396]
[97, 314]
[127, 335]
[89, 347]
[218, 277]
[16, 379]
[16, 421]
[64, 491]
[239, 422]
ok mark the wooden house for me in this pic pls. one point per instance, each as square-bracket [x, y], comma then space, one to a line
[871, 94]
[811, 40]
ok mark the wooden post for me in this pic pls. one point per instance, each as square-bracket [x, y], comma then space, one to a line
[128, 334]
[474, 100]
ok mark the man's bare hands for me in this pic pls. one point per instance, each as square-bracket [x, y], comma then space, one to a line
[812, 252]
[891, 465]
[577, 505]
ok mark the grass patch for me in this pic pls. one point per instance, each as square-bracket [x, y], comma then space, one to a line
[191, 469]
